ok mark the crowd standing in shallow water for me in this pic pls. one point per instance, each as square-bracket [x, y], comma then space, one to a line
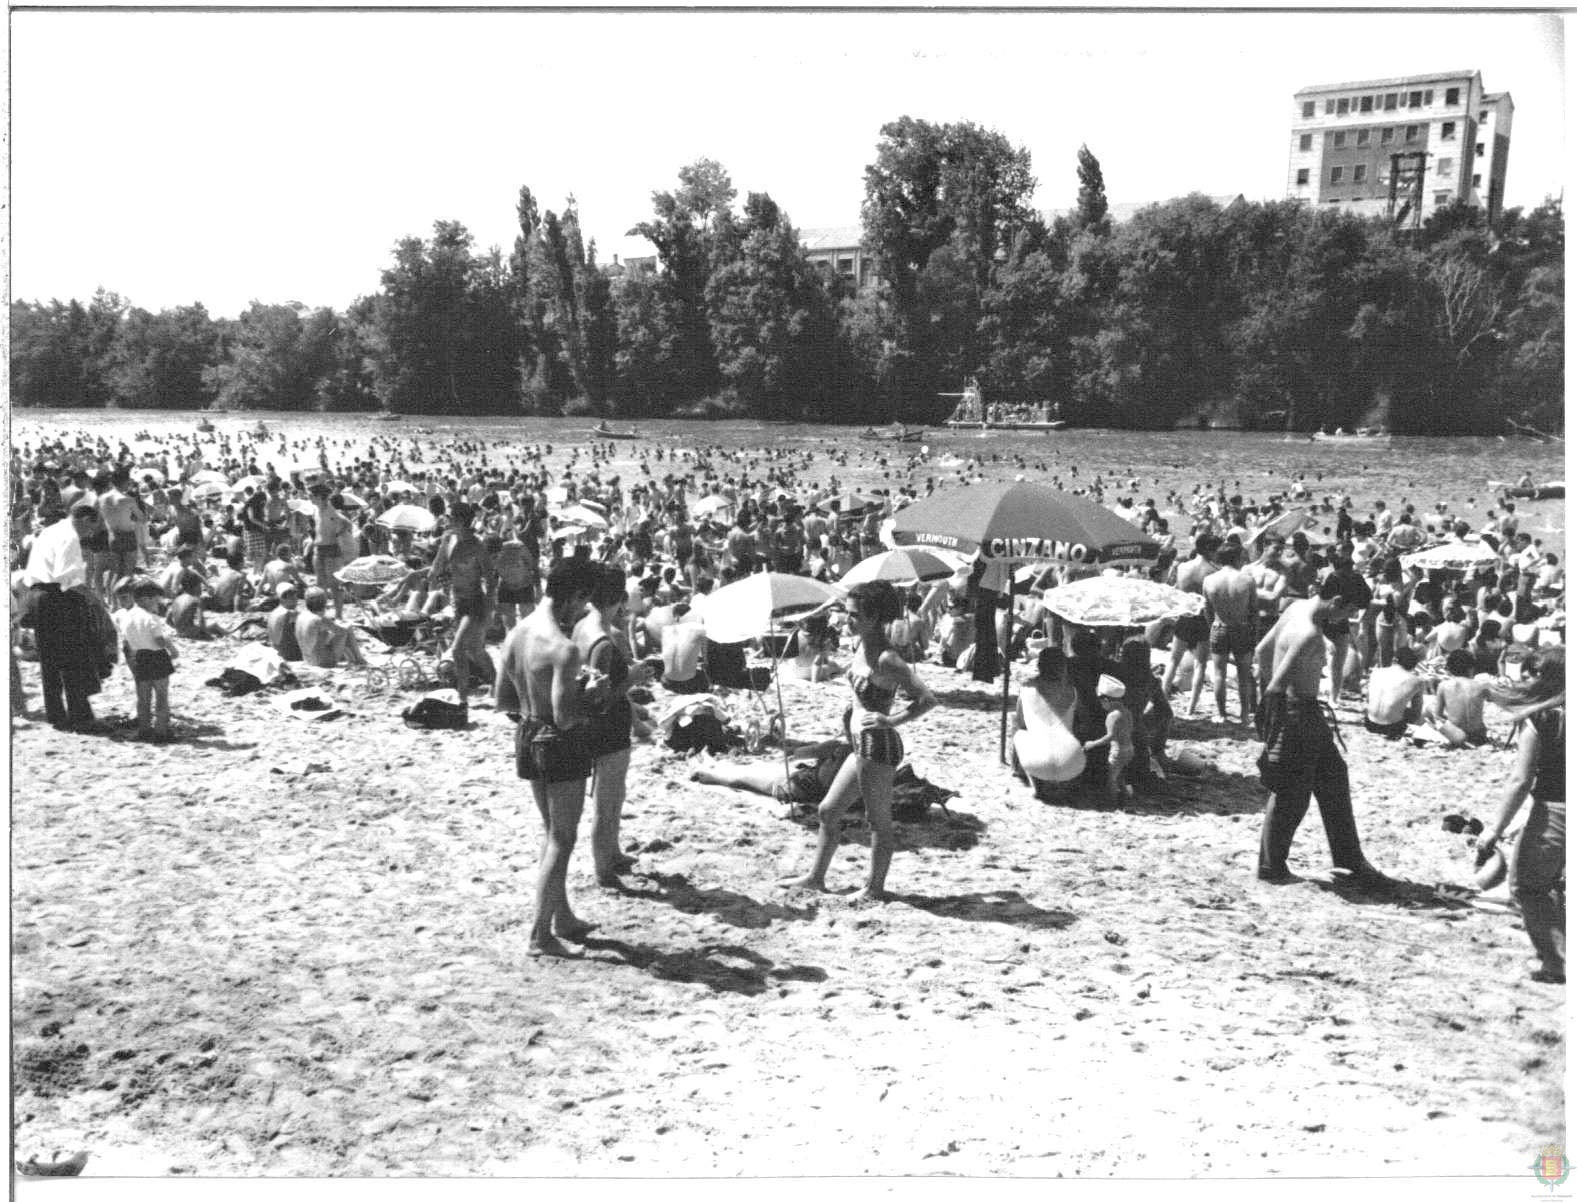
[594, 582]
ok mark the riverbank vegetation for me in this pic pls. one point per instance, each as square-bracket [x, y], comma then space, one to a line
[1258, 314]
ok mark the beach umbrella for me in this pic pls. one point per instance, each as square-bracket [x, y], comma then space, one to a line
[246, 482]
[372, 569]
[1120, 601]
[1454, 556]
[351, 499]
[709, 505]
[579, 515]
[301, 505]
[407, 517]
[142, 472]
[207, 475]
[905, 565]
[754, 606]
[206, 490]
[393, 486]
[1020, 521]
[847, 503]
[1283, 525]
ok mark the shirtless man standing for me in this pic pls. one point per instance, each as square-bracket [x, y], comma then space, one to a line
[1232, 602]
[1300, 756]
[1192, 633]
[122, 516]
[539, 679]
[462, 561]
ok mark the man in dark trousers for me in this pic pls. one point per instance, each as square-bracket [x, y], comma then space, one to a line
[69, 652]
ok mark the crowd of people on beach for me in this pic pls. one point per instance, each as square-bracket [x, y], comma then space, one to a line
[593, 585]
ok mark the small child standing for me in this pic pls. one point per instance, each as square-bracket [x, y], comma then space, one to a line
[1118, 736]
[151, 644]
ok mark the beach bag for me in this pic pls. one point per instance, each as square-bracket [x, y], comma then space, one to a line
[435, 713]
[698, 730]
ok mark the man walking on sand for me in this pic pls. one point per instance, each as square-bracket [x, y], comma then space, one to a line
[1300, 756]
[539, 679]
[1233, 600]
[1192, 633]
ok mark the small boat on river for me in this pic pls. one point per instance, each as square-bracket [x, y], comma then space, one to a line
[602, 430]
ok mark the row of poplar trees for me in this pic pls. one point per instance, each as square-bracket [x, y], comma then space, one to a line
[1270, 315]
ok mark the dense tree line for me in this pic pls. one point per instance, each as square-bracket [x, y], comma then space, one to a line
[1271, 315]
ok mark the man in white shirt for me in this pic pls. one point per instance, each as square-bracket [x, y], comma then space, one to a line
[68, 654]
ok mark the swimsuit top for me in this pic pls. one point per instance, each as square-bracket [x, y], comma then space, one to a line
[876, 698]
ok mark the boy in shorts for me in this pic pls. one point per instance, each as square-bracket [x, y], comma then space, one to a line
[151, 652]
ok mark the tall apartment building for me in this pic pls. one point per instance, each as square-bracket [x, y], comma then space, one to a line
[1348, 138]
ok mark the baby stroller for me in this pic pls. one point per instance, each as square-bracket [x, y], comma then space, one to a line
[413, 633]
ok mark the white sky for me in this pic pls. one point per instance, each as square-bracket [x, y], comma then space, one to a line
[228, 156]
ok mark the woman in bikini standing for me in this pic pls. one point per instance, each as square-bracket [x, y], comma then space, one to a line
[876, 675]
[607, 734]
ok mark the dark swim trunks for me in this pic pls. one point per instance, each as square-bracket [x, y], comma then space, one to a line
[545, 753]
[1192, 629]
[1392, 730]
[1234, 640]
[474, 605]
[1337, 631]
[523, 595]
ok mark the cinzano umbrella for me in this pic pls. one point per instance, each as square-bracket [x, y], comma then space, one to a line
[1018, 522]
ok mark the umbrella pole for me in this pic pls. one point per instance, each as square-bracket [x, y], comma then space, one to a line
[777, 677]
[1007, 671]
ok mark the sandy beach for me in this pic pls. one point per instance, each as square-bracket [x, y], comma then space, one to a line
[281, 948]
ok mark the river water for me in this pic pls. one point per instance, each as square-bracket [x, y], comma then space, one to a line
[1421, 471]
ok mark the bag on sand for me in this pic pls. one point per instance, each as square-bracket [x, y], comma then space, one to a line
[434, 713]
[697, 730]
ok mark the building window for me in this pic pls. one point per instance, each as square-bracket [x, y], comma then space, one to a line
[1303, 177]
[1429, 97]
[1308, 109]
[1478, 150]
[1415, 100]
[1453, 96]
[1448, 131]
[1358, 172]
[1390, 101]
[1442, 198]
[1342, 106]
[1478, 181]
[1388, 135]
[1483, 115]
[1412, 134]
[1445, 166]
[1366, 105]
[1330, 107]
[1363, 137]
[1339, 139]
[1306, 142]
[1336, 175]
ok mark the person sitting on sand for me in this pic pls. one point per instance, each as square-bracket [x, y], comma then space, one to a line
[684, 655]
[815, 641]
[282, 569]
[1457, 708]
[324, 642]
[229, 591]
[1044, 746]
[282, 624]
[1395, 695]
[186, 615]
[876, 675]
[1118, 738]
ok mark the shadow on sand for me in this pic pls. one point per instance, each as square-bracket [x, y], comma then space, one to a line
[722, 968]
[1001, 905]
[736, 909]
